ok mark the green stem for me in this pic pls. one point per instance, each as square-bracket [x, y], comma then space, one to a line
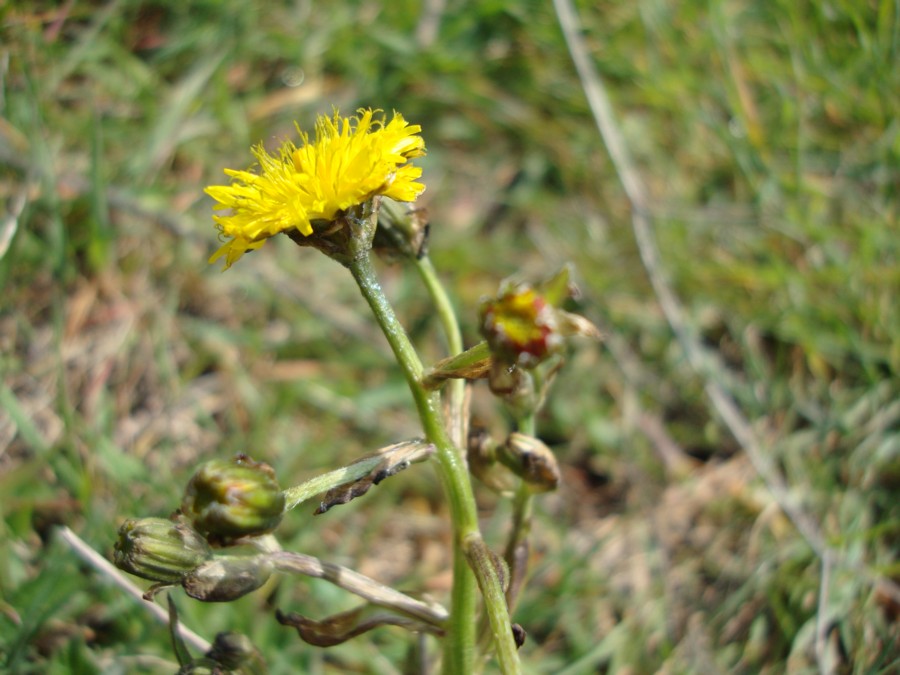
[442, 303]
[521, 527]
[459, 653]
[516, 553]
[526, 425]
[456, 389]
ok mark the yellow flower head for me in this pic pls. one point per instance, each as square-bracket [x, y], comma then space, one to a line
[352, 160]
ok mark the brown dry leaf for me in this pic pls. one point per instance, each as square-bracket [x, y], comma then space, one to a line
[339, 628]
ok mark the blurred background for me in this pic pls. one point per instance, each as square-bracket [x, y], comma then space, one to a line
[769, 140]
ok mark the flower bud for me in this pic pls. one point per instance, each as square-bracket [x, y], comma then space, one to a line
[159, 549]
[233, 651]
[226, 578]
[227, 500]
[531, 460]
[520, 326]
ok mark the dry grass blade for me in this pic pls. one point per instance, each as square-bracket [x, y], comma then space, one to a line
[702, 362]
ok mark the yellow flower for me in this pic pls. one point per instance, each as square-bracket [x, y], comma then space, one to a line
[352, 160]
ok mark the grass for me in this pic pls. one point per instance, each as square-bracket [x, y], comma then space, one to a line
[769, 139]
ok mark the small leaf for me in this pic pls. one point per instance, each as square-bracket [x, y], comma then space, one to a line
[181, 650]
[472, 364]
[558, 288]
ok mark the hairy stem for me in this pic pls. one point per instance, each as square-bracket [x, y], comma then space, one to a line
[459, 651]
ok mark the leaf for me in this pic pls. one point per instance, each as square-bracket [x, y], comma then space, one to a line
[181, 650]
[393, 459]
[472, 364]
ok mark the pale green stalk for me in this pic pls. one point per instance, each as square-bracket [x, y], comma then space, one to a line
[455, 394]
[521, 529]
[442, 304]
[455, 388]
[459, 651]
[523, 503]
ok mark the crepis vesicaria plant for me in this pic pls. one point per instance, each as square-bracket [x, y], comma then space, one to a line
[337, 192]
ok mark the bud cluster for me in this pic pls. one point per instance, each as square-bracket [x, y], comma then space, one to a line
[225, 501]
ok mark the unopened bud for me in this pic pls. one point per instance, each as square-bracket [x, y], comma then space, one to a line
[532, 460]
[227, 500]
[233, 651]
[227, 578]
[159, 549]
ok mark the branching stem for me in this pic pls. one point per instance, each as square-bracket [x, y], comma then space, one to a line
[459, 651]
